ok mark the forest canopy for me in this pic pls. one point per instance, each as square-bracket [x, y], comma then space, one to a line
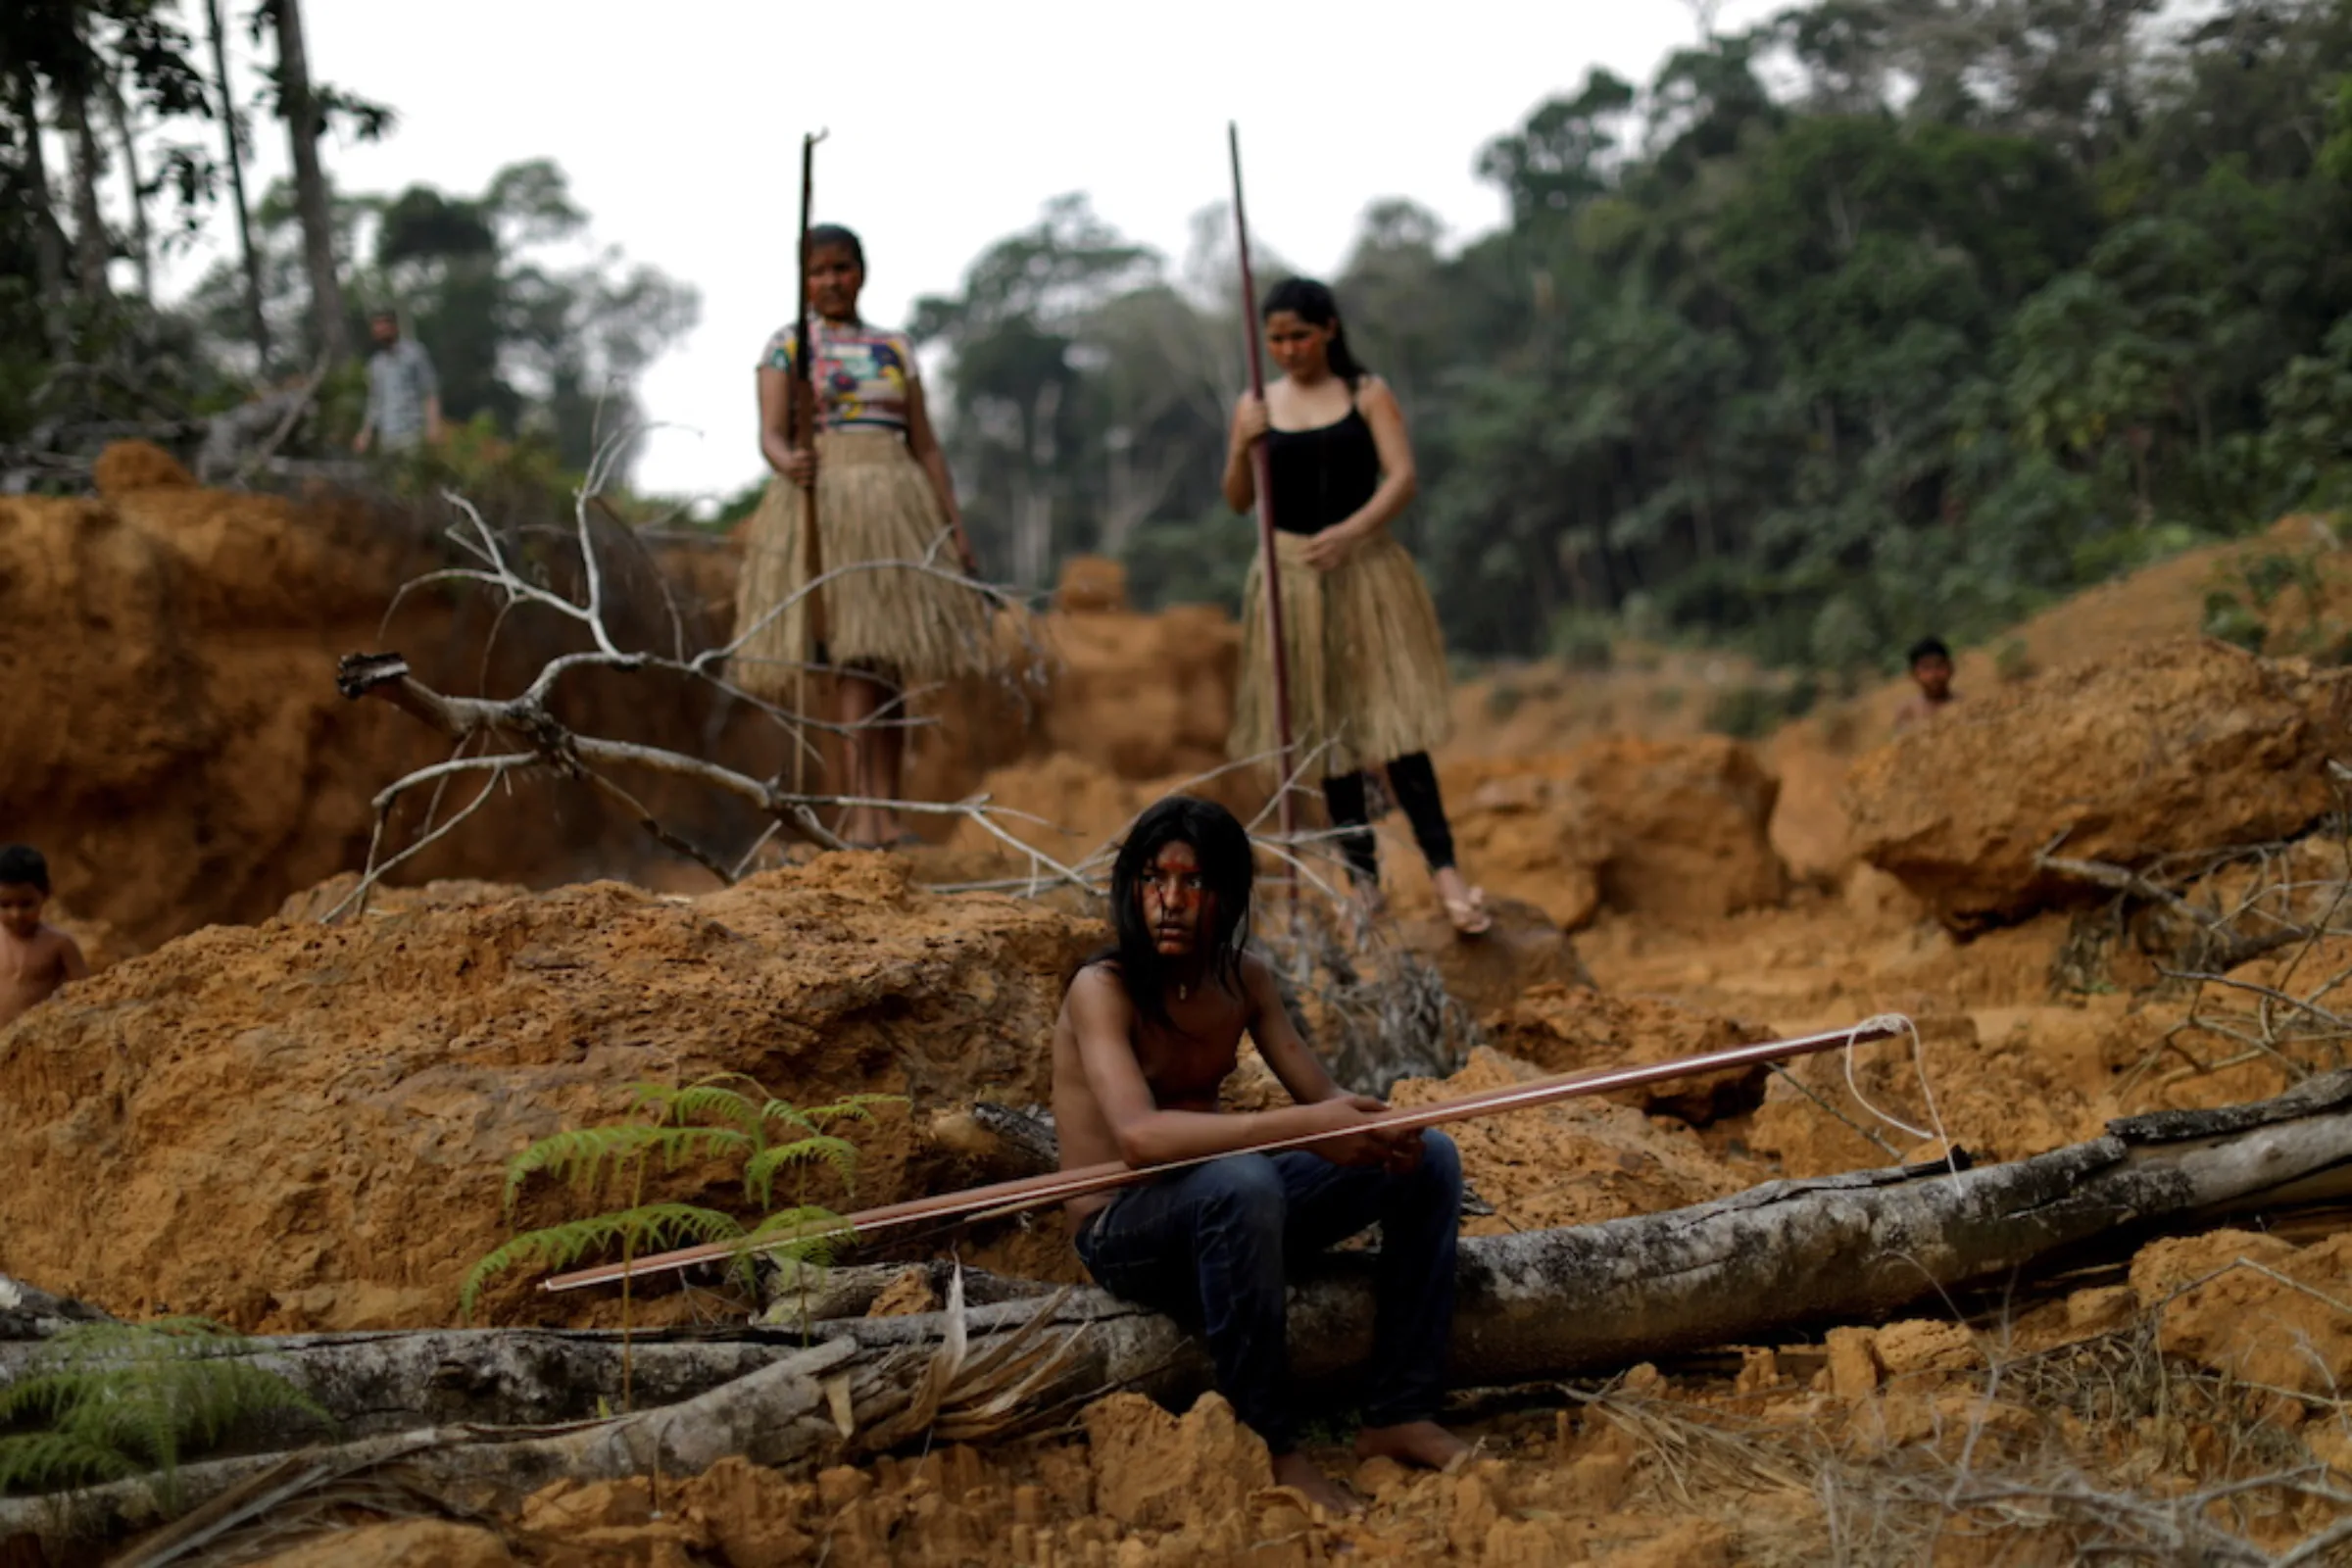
[1881, 318]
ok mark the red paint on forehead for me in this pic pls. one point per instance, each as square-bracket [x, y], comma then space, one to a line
[1176, 857]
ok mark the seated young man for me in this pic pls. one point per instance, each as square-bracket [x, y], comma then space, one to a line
[1147, 1032]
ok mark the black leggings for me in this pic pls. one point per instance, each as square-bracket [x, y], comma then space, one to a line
[1414, 783]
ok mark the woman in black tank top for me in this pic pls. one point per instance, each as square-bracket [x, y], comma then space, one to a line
[1367, 662]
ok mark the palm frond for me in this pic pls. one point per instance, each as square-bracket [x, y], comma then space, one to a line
[708, 1101]
[760, 1174]
[792, 1116]
[850, 1107]
[585, 1156]
[47, 1461]
[806, 1234]
[646, 1228]
[114, 1399]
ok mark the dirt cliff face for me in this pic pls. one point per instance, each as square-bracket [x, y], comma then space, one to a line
[1677, 829]
[172, 740]
[175, 741]
[2182, 747]
[176, 744]
[301, 1127]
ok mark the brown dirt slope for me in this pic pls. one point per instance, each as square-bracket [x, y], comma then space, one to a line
[302, 1127]
[172, 739]
[2177, 746]
[1676, 829]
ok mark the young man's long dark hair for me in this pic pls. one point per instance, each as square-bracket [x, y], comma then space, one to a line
[1316, 305]
[1227, 871]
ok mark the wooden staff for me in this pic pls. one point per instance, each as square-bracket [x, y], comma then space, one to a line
[803, 416]
[1035, 1192]
[1260, 467]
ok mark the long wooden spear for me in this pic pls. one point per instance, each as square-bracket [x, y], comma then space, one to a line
[1035, 1192]
[804, 418]
[1259, 467]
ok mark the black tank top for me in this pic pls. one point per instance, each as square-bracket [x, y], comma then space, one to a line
[1321, 476]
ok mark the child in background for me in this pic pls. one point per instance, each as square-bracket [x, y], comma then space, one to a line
[1932, 672]
[34, 959]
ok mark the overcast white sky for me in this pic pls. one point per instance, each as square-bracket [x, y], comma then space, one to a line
[950, 122]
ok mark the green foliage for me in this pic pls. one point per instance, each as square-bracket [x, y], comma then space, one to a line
[1844, 638]
[2244, 593]
[1203, 559]
[726, 1118]
[535, 349]
[1744, 712]
[1752, 712]
[644, 1228]
[106, 1401]
[1584, 641]
[2270, 573]
[1874, 319]
[584, 1155]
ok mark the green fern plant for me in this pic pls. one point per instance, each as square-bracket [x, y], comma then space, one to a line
[726, 1116]
[108, 1401]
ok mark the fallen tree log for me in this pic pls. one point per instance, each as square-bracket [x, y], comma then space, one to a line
[385, 1382]
[1538, 1306]
[29, 1312]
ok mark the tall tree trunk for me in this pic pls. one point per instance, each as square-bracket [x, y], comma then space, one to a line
[142, 236]
[91, 243]
[49, 240]
[255, 322]
[303, 131]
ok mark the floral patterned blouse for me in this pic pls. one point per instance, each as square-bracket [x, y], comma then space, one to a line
[864, 373]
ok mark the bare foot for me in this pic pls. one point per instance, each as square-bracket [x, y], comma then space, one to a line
[1297, 1472]
[1422, 1442]
[1465, 906]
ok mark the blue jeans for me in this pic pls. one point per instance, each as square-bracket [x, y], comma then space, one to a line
[1214, 1246]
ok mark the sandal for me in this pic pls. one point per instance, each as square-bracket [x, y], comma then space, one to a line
[1469, 914]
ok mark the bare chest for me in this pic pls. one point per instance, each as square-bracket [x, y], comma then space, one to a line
[27, 962]
[1184, 1061]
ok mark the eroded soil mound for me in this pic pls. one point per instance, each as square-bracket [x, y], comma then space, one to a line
[175, 741]
[171, 738]
[1094, 705]
[1576, 1029]
[301, 1127]
[1145, 695]
[1574, 1163]
[2186, 745]
[1676, 829]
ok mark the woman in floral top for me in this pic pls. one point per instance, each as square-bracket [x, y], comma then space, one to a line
[891, 561]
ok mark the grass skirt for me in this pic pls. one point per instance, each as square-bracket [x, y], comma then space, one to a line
[1367, 659]
[874, 503]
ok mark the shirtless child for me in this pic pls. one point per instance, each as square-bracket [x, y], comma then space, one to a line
[1932, 674]
[34, 959]
[1148, 1030]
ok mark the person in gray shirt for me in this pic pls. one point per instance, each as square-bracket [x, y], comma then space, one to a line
[404, 398]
